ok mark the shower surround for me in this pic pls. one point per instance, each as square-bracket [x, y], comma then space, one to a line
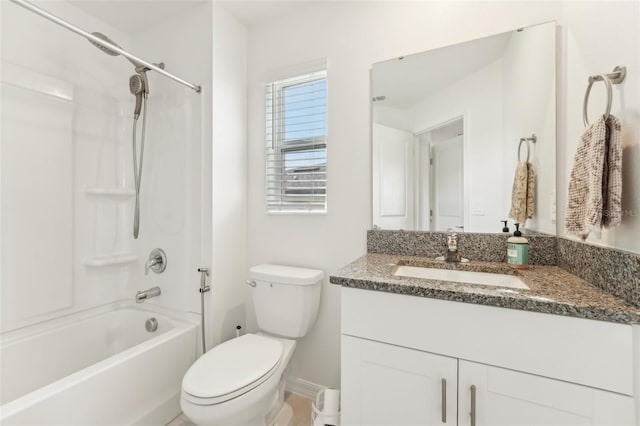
[67, 191]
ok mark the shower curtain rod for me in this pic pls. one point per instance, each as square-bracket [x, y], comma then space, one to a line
[91, 37]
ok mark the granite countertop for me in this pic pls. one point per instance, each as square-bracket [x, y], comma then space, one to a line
[553, 290]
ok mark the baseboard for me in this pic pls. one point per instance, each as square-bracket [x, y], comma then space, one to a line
[303, 387]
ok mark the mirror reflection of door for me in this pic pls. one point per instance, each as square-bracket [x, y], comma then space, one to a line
[447, 185]
[442, 176]
[393, 183]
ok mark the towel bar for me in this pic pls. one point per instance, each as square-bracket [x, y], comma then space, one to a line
[616, 77]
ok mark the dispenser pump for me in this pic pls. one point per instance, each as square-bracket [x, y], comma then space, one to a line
[518, 250]
[505, 228]
[517, 232]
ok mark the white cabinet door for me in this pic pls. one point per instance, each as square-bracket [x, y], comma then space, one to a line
[511, 398]
[391, 385]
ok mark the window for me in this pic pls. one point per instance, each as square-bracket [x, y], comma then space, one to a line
[296, 144]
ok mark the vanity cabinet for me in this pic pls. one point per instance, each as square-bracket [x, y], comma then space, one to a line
[391, 385]
[410, 360]
[507, 397]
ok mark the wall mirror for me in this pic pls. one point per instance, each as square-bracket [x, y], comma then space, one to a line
[446, 130]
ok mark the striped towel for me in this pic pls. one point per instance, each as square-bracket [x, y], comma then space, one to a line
[523, 193]
[595, 188]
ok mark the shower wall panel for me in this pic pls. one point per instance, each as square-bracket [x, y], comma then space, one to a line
[64, 138]
[37, 204]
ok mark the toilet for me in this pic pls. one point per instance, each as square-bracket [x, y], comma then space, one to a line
[241, 381]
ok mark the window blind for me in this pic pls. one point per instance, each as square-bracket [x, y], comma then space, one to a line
[296, 144]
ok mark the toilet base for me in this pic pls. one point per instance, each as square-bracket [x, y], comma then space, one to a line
[257, 407]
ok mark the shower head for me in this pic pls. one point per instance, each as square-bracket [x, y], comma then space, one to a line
[104, 48]
[108, 51]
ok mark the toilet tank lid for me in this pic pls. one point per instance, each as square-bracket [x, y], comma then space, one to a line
[285, 274]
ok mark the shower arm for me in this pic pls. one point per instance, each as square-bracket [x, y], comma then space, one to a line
[91, 37]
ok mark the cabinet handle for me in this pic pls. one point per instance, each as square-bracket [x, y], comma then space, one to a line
[473, 405]
[444, 400]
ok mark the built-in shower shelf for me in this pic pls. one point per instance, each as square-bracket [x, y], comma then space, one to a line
[116, 259]
[109, 192]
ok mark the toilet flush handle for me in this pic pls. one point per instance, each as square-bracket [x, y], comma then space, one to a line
[251, 283]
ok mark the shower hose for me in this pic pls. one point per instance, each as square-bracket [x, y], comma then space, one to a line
[137, 167]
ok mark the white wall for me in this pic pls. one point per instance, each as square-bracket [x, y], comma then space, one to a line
[229, 261]
[588, 50]
[352, 36]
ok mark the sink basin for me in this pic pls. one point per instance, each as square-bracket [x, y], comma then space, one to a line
[467, 277]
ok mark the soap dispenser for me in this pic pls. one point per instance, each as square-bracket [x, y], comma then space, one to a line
[505, 228]
[518, 250]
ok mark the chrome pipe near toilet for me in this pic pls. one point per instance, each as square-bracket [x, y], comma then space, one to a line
[204, 288]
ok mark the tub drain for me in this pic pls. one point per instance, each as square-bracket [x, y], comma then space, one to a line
[151, 325]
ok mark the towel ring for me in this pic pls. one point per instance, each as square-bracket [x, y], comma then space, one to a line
[533, 138]
[607, 82]
[520, 146]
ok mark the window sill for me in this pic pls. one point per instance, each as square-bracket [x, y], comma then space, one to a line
[295, 213]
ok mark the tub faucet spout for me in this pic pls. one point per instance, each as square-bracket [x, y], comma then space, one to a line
[141, 296]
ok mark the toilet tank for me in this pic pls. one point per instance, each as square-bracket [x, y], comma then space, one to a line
[286, 298]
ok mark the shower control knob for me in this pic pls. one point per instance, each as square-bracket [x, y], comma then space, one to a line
[157, 262]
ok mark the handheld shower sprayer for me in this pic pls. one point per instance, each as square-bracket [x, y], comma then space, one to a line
[139, 87]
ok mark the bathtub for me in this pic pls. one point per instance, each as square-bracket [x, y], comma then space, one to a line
[96, 368]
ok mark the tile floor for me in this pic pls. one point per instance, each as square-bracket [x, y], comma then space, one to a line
[301, 412]
[301, 409]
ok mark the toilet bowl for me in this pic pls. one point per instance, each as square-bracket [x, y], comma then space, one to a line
[241, 381]
[236, 383]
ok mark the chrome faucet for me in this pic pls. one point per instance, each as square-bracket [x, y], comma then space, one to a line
[452, 254]
[157, 261]
[141, 296]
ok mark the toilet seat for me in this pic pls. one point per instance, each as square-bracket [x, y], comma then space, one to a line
[232, 369]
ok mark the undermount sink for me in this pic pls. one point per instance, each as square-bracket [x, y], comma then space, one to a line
[466, 277]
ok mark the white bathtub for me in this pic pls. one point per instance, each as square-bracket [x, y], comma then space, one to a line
[95, 368]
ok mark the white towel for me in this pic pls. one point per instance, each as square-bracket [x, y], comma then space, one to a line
[595, 188]
[523, 193]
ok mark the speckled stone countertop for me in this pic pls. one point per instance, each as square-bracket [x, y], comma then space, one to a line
[553, 290]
